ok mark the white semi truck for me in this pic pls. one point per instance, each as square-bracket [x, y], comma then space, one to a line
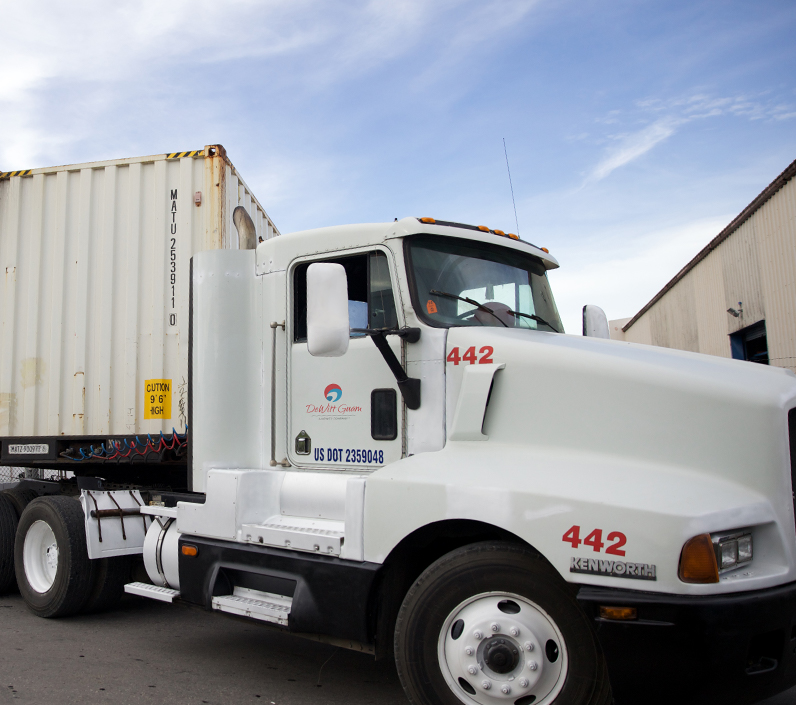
[393, 447]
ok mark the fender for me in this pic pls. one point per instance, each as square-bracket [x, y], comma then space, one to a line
[632, 512]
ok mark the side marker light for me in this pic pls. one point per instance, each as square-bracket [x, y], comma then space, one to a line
[698, 561]
[188, 550]
[618, 613]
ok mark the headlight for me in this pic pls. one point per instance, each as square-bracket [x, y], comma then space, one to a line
[705, 556]
[732, 551]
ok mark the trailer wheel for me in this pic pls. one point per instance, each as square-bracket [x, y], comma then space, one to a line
[109, 578]
[53, 570]
[20, 498]
[8, 530]
[493, 623]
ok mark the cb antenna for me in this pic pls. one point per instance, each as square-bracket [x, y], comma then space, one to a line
[517, 222]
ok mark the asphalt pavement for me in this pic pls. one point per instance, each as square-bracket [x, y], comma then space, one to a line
[150, 652]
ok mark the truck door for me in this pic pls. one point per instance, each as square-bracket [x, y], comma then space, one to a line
[345, 412]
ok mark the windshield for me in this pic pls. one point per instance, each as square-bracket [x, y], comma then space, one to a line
[465, 283]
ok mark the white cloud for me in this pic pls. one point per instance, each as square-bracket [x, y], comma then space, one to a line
[633, 146]
[675, 113]
[121, 54]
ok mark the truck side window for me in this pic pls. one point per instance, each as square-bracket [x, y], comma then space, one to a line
[370, 298]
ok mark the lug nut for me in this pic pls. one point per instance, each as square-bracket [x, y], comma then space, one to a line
[495, 627]
[529, 646]
[469, 651]
[477, 635]
[532, 665]
[514, 631]
[506, 689]
[472, 670]
[523, 682]
[486, 685]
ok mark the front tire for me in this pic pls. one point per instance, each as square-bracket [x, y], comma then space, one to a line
[53, 570]
[493, 623]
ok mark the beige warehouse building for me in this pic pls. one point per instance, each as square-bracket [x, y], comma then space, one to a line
[737, 297]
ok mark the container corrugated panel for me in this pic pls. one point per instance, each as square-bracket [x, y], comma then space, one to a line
[95, 298]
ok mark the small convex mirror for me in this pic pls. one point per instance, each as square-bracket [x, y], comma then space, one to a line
[327, 310]
[595, 322]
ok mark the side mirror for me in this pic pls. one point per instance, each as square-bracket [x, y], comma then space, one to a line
[247, 233]
[595, 322]
[327, 310]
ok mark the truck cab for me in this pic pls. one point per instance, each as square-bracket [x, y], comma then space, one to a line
[396, 448]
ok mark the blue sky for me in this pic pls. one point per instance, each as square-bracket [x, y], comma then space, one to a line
[635, 130]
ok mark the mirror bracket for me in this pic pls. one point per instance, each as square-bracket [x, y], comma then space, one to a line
[409, 386]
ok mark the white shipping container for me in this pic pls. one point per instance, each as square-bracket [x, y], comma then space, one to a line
[95, 301]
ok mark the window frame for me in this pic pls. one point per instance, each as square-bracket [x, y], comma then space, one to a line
[476, 244]
[335, 256]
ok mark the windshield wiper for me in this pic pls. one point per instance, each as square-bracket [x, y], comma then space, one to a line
[533, 317]
[480, 307]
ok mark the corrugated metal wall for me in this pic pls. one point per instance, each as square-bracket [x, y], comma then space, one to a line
[755, 265]
[95, 296]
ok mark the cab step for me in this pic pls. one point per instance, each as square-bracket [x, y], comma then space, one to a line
[298, 533]
[154, 592]
[265, 606]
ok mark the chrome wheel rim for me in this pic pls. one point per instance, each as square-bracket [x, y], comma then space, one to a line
[40, 556]
[499, 647]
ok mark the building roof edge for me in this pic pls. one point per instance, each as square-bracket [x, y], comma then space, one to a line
[737, 222]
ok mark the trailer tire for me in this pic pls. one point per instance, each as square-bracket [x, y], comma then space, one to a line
[8, 531]
[20, 498]
[525, 635]
[52, 566]
[109, 578]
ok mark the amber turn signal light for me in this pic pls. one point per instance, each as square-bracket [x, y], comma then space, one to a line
[188, 550]
[698, 561]
[618, 613]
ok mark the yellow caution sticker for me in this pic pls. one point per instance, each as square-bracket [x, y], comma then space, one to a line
[157, 399]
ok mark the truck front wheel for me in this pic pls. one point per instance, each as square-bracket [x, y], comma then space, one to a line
[53, 571]
[493, 623]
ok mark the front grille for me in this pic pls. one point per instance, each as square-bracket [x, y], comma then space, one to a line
[792, 438]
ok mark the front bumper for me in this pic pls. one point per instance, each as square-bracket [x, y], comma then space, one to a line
[737, 648]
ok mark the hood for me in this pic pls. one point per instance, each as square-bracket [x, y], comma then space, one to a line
[711, 415]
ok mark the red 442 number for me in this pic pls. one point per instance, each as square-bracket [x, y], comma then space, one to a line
[470, 356]
[595, 540]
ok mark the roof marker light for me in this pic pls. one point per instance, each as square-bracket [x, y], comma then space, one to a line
[483, 228]
[427, 220]
[544, 249]
[499, 232]
[513, 236]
